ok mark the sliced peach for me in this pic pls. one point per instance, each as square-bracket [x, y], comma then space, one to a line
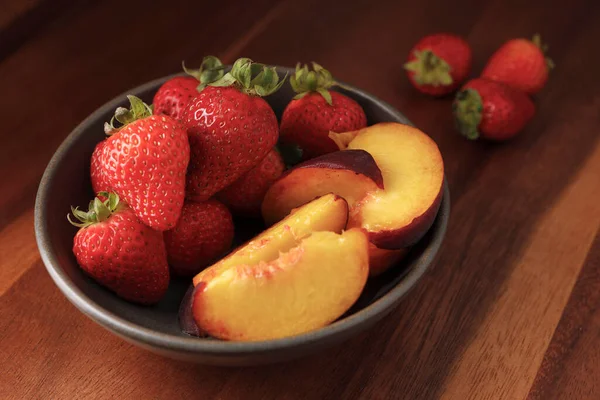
[413, 175]
[396, 214]
[380, 260]
[350, 174]
[305, 288]
[327, 213]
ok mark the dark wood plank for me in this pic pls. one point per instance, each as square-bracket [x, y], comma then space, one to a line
[572, 362]
[480, 322]
[20, 21]
[13, 10]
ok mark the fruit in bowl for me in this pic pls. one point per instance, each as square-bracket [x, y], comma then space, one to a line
[312, 251]
[392, 176]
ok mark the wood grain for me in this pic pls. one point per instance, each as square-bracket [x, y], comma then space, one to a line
[541, 281]
[510, 309]
[571, 364]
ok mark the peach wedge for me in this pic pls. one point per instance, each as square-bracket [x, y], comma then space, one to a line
[391, 174]
[327, 213]
[413, 176]
[305, 288]
[349, 174]
[380, 260]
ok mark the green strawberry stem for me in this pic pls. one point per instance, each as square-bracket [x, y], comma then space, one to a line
[537, 40]
[210, 71]
[319, 80]
[98, 210]
[251, 78]
[429, 69]
[468, 110]
[138, 110]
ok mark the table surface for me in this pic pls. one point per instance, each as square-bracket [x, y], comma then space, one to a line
[510, 309]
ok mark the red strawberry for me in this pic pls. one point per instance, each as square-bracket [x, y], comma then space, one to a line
[491, 110]
[439, 63]
[174, 95]
[145, 162]
[203, 234]
[121, 253]
[520, 63]
[99, 181]
[230, 127]
[244, 197]
[316, 111]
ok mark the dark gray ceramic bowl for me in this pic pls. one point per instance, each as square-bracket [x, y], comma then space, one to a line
[66, 182]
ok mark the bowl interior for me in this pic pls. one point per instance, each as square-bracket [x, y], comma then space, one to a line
[67, 182]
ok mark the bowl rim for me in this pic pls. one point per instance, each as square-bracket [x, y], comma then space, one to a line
[147, 336]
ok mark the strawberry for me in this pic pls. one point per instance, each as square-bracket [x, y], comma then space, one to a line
[520, 63]
[315, 111]
[491, 110]
[174, 95]
[230, 127]
[244, 197]
[99, 181]
[121, 253]
[438, 63]
[203, 234]
[145, 162]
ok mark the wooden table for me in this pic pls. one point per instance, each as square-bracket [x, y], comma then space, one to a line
[511, 308]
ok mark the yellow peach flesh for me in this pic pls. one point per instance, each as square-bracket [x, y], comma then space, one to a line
[305, 288]
[283, 195]
[413, 173]
[327, 213]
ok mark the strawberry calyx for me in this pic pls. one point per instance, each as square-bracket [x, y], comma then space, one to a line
[537, 41]
[429, 69]
[252, 78]
[98, 210]
[210, 70]
[138, 110]
[468, 112]
[305, 81]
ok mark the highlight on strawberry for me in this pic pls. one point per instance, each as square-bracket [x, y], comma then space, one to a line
[438, 63]
[119, 252]
[317, 110]
[231, 128]
[175, 94]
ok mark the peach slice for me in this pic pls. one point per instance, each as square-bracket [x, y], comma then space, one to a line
[350, 174]
[380, 260]
[327, 213]
[413, 175]
[305, 288]
[396, 212]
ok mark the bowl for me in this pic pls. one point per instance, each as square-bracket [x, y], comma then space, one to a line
[66, 182]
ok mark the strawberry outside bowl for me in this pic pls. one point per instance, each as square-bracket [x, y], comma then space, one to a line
[66, 182]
